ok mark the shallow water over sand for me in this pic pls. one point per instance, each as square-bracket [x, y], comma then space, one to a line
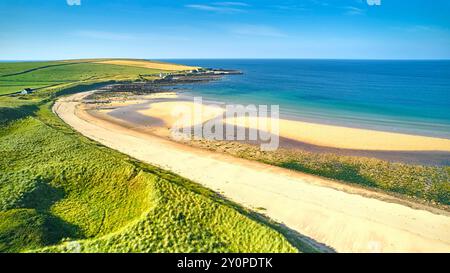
[399, 96]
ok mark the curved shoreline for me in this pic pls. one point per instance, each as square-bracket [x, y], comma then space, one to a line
[321, 135]
[156, 113]
[346, 222]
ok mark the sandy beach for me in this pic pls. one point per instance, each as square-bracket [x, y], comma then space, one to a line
[312, 133]
[335, 216]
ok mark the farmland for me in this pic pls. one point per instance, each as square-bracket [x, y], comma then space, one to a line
[37, 75]
[150, 65]
[61, 192]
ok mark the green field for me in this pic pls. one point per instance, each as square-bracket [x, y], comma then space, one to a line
[9, 68]
[12, 78]
[61, 192]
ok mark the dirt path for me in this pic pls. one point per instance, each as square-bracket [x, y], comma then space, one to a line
[342, 218]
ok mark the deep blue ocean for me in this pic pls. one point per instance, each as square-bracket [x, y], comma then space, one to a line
[400, 96]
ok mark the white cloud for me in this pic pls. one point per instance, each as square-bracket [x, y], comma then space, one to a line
[354, 11]
[289, 7]
[216, 8]
[238, 4]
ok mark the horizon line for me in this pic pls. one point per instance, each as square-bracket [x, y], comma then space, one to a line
[234, 58]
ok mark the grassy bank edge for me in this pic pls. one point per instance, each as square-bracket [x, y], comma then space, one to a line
[288, 161]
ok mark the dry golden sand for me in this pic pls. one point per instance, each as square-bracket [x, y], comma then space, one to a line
[312, 133]
[170, 112]
[351, 138]
[347, 221]
[147, 64]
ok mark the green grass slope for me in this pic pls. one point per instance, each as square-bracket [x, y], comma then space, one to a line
[61, 192]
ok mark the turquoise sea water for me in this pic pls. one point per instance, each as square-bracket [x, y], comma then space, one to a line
[400, 96]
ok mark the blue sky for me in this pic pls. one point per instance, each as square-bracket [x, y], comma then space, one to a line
[344, 29]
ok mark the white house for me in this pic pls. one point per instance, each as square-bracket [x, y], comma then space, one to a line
[26, 91]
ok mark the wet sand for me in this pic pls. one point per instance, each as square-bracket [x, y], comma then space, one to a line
[350, 138]
[337, 216]
[394, 147]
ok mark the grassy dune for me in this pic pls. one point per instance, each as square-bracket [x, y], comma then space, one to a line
[429, 184]
[60, 192]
